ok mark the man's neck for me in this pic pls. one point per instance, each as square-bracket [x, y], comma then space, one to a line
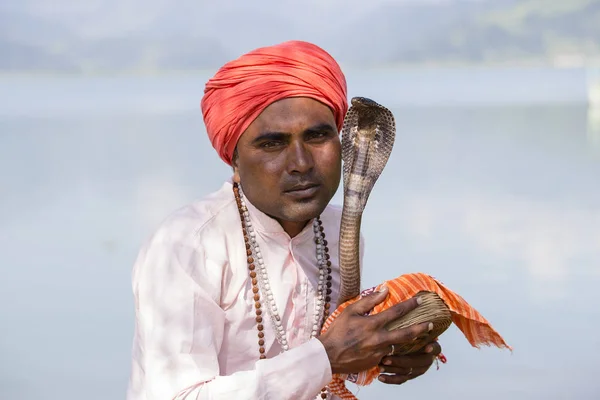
[292, 228]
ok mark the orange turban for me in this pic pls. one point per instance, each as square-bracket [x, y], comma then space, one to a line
[243, 88]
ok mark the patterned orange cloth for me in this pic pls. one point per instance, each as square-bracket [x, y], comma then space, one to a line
[244, 87]
[477, 330]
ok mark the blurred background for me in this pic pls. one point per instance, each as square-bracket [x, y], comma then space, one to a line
[493, 185]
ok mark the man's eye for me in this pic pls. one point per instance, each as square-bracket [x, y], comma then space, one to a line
[271, 143]
[317, 135]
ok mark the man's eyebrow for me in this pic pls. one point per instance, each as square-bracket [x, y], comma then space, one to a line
[321, 128]
[270, 136]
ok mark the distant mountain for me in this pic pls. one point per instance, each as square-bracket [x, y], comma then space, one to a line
[95, 37]
[156, 35]
[384, 34]
[523, 31]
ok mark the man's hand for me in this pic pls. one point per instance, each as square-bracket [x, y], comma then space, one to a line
[356, 342]
[399, 369]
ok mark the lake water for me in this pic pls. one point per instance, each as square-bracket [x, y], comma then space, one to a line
[493, 187]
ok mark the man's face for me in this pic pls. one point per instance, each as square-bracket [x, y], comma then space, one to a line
[289, 161]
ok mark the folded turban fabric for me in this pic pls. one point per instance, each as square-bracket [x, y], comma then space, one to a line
[476, 329]
[243, 88]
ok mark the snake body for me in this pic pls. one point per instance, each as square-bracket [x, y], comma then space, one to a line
[368, 135]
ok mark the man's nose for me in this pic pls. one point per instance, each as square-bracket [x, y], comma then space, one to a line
[300, 160]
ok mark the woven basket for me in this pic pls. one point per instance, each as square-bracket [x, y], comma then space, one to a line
[433, 309]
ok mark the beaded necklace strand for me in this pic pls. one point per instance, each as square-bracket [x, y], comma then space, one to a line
[261, 285]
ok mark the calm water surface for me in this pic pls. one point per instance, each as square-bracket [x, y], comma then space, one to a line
[488, 189]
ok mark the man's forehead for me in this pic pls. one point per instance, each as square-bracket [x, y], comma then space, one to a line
[295, 112]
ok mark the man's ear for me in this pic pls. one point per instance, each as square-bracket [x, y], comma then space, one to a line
[235, 166]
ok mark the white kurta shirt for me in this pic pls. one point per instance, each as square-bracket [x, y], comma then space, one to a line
[196, 334]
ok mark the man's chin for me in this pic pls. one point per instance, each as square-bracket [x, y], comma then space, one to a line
[304, 211]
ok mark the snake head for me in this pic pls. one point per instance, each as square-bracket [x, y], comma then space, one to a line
[366, 112]
[363, 102]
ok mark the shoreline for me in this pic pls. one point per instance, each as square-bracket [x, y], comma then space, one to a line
[504, 66]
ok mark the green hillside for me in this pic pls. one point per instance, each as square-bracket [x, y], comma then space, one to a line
[517, 31]
[541, 32]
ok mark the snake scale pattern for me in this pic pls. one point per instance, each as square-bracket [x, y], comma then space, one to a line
[368, 136]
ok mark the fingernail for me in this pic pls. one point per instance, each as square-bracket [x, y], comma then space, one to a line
[383, 289]
[419, 300]
[428, 349]
[381, 369]
[387, 362]
[430, 326]
[382, 378]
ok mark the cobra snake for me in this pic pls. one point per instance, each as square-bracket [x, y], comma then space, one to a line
[368, 135]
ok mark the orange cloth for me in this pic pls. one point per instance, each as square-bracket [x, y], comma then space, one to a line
[476, 329]
[243, 88]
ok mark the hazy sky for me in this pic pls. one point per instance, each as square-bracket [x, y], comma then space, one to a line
[94, 19]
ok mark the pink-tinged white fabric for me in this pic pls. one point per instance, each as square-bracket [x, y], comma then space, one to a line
[195, 329]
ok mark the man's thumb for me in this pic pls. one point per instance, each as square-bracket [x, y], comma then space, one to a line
[366, 304]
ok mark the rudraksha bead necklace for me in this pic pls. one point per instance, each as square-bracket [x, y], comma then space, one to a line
[260, 280]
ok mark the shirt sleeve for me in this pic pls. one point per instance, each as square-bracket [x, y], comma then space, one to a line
[179, 332]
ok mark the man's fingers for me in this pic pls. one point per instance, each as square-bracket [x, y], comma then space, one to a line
[407, 362]
[410, 373]
[394, 379]
[396, 370]
[367, 303]
[432, 348]
[417, 372]
[406, 335]
[397, 311]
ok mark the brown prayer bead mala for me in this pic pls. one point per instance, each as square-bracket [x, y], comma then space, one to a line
[321, 244]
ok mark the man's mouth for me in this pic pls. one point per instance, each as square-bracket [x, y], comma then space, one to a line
[303, 190]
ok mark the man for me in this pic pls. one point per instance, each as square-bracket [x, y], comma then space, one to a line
[231, 291]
